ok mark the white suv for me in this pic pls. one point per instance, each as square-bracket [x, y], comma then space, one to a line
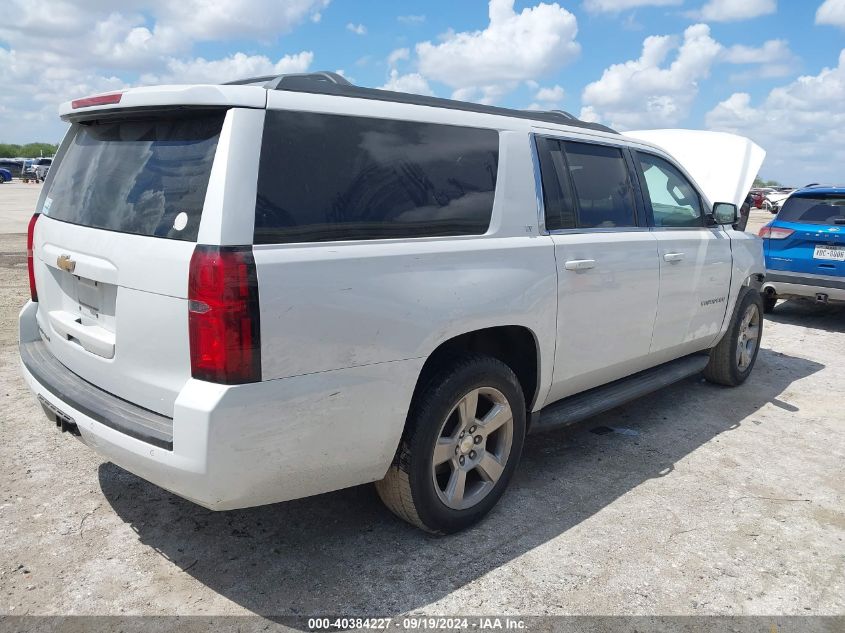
[252, 293]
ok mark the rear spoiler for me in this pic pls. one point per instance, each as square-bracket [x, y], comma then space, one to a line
[723, 165]
[165, 97]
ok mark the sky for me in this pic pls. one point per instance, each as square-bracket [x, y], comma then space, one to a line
[772, 70]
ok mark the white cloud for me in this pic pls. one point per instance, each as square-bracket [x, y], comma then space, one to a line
[237, 66]
[773, 59]
[513, 47]
[831, 12]
[771, 51]
[648, 92]
[358, 29]
[800, 124]
[412, 82]
[411, 19]
[400, 54]
[555, 94]
[616, 6]
[57, 50]
[734, 10]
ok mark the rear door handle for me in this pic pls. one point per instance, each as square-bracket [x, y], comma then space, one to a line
[673, 257]
[580, 264]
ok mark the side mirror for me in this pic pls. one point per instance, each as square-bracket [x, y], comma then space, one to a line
[725, 213]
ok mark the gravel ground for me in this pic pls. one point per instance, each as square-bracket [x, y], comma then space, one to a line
[701, 500]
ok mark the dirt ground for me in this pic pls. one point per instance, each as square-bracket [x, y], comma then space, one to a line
[702, 500]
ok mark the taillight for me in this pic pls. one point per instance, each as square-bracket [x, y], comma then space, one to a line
[775, 232]
[223, 319]
[30, 261]
[88, 102]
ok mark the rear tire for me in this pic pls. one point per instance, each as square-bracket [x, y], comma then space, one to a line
[2, 179]
[462, 442]
[732, 360]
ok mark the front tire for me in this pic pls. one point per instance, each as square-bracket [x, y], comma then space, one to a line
[769, 303]
[462, 442]
[732, 360]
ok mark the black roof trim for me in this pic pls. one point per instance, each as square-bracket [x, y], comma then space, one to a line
[328, 83]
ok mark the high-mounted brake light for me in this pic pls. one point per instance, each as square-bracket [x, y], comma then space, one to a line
[87, 102]
[30, 261]
[223, 315]
[775, 232]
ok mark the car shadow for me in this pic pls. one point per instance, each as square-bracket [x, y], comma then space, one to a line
[343, 553]
[807, 313]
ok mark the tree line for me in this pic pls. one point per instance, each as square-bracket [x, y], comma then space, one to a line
[30, 150]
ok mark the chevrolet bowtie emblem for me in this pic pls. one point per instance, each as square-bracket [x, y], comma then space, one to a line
[65, 263]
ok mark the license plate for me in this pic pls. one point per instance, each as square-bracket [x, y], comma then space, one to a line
[836, 253]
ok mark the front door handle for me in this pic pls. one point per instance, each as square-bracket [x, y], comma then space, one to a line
[580, 264]
[673, 257]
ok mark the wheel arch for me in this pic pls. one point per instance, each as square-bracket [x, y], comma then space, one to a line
[516, 346]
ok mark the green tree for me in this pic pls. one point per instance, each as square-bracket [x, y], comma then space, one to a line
[30, 150]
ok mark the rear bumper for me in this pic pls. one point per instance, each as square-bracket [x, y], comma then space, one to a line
[244, 445]
[788, 284]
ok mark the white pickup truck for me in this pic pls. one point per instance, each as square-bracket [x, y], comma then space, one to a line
[255, 292]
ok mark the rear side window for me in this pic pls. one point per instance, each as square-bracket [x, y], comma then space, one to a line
[330, 177]
[602, 185]
[146, 176]
[557, 190]
[815, 210]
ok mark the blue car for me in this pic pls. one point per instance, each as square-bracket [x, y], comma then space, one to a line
[805, 247]
[5, 175]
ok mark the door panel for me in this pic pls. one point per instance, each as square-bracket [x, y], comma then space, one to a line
[695, 277]
[607, 297]
[695, 261]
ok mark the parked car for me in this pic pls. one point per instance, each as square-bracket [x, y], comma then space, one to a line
[305, 285]
[775, 199]
[5, 175]
[805, 247]
[41, 167]
[14, 166]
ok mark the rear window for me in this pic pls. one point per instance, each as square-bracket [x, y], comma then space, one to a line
[145, 176]
[329, 177]
[815, 210]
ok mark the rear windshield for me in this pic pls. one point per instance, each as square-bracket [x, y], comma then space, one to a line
[329, 177]
[145, 176]
[815, 210]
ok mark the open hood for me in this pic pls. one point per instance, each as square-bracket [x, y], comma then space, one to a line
[723, 165]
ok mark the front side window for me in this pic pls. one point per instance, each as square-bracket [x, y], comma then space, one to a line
[674, 201]
[602, 185]
[326, 177]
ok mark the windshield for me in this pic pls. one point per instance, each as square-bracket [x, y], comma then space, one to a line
[815, 210]
[146, 176]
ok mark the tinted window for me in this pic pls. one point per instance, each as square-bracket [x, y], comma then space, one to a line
[815, 210]
[557, 190]
[144, 176]
[674, 201]
[329, 177]
[602, 185]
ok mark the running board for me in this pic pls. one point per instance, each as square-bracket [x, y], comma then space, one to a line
[594, 401]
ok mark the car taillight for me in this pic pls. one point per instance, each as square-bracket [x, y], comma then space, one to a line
[98, 100]
[223, 316]
[30, 261]
[775, 232]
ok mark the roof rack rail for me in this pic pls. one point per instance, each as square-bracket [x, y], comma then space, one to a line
[275, 82]
[329, 83]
